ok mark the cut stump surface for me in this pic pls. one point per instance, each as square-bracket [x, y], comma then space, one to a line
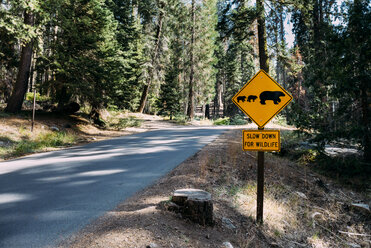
[195, 204]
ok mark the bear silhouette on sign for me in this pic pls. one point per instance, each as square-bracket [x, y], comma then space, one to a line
[241, 98]
[251, 97]
[271, 95]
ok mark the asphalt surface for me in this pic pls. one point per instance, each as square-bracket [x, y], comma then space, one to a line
[44, 198]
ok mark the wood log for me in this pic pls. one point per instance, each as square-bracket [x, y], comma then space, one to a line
[195, 205]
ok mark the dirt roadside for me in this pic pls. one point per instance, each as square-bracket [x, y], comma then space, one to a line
[17, 140]
[301, 208]
[16, 128]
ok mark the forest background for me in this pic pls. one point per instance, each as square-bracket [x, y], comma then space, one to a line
[168, 57]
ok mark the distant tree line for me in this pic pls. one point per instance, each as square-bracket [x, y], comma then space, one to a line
[168, 56]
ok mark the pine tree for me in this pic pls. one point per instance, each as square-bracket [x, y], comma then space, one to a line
[85, 54]
[205, 47]
[352, 78]
[10, 25]
[170, 97]
[126, 93]
[235, 51]
[154, 53]
[191, 94]
[314, 33]
[334, 99]
[20, 87]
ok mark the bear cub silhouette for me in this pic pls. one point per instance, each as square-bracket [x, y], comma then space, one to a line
[271, 95]
[241, 98]
[251, 97]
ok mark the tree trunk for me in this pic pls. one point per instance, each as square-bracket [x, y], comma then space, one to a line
[63, 97]
[95, 115]
[194, 204]
[278, 50]
[217, 100]
[264, 64]
[20, 88]
[146, 88]
[366, 124]
[207, 111]
[190, 110]
[32, 75]
[262, 37]
[282, 41]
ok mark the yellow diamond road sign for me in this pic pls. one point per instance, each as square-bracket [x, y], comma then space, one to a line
[262, 98]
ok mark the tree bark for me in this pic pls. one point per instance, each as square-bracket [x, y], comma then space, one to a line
[190, 110]
[264, 64]
[218, 99]
[366, 123]
[282, 41]
[262, 37]
[207, 111]
[20, 88]
[147, 86]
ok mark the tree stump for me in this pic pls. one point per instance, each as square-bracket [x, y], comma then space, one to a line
[195, 205]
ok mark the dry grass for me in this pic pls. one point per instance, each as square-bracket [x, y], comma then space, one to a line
[17, 140]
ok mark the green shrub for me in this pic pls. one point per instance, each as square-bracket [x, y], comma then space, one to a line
[131, 121]
[43, 140]
[180, 119]
[55, 139]
[4, 114]
[290, 144]
[280, 120]
[222, 121]
[25, 147]
[349, 170]
[238, 120]
[29, 97]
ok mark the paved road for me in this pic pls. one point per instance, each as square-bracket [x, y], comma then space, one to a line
[46, 197]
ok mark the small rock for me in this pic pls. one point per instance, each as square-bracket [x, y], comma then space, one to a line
[315, 214]
[171, 206]
[228, 223]
[227, 245]
[321, 184]
[152, 245]
[93, 138]
[54, 128]
[302, 195]
[2, 143]
[316, 217]
[354, 245]
[362, 207]
[43, 127]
